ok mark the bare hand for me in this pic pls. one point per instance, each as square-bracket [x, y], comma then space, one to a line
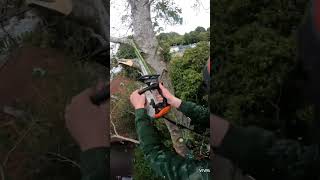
[138, 101]
[88, 123]
[172, 100]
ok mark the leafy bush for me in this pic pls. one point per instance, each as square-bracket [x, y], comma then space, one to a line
[122, 112]
[130, 72]
[186, 73]
[142, 169]
[254, 42]
[166, 52]
[126, 52]
[173, 38]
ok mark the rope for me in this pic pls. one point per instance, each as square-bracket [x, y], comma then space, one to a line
[137, 52]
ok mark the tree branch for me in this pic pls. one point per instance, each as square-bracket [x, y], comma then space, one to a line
[151, 1]
[62, 158]
[125, 139]
[114, 128]
[121, 137]
[119, 40]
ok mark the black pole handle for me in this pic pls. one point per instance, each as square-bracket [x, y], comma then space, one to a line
[142, 91]
[101, 96]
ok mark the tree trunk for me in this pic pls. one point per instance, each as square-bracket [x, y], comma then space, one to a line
[145, 38]
[93, 13]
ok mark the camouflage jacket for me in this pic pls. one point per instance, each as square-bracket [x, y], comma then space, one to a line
[164, 162]
[261, 154]
[94, 164]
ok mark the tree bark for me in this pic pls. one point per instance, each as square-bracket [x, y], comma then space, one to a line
[93, 13]
[144, 37]
[119, 40]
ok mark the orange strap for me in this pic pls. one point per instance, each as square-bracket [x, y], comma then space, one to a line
[163, 112]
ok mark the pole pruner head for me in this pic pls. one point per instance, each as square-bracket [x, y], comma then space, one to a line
[152, 82]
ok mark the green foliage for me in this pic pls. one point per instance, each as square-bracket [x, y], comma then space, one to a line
[168, 11]
[126, 51]
[203, 36]
[122, 110]
[190, 80]
[166, 40]
[173, 38]
[142, 169]
[74, 45]
[130, 72]
[166, 52]
[49, 133]
[254, 42]
[45, 38]
[200, 29]
[48, 113]
[63, 35]
[305, 114]
[199, 34]
[186, 73]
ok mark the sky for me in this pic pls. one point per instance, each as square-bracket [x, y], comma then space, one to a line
[192, 17]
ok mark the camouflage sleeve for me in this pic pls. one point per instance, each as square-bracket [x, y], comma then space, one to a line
[198, 114]
[94, 164]
[263, 156]
[164, 162]
[292, 160]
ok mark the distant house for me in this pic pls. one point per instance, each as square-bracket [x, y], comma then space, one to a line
[180, 49]
[174, 49]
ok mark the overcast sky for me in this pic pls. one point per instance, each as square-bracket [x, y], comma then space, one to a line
[192, 17]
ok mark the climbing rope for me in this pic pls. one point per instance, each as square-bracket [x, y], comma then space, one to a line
[137, 52]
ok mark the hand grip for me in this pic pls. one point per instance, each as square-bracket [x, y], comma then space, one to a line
[101, 96]
[162, 112]
[142, 91]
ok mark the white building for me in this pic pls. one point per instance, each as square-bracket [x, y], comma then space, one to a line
[180, 49]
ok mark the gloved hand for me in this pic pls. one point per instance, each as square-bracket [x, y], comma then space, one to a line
[87, 123]
[172, 100]
[138, 101]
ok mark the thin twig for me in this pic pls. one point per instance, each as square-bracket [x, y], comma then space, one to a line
[121, 137]
[130, 112]
[62, 158]
[114, 97]
[18, 142]
[125, 138]
[114, 128]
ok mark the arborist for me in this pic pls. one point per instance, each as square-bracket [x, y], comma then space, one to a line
[163, 161]
[169, 164]
[89, 125]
